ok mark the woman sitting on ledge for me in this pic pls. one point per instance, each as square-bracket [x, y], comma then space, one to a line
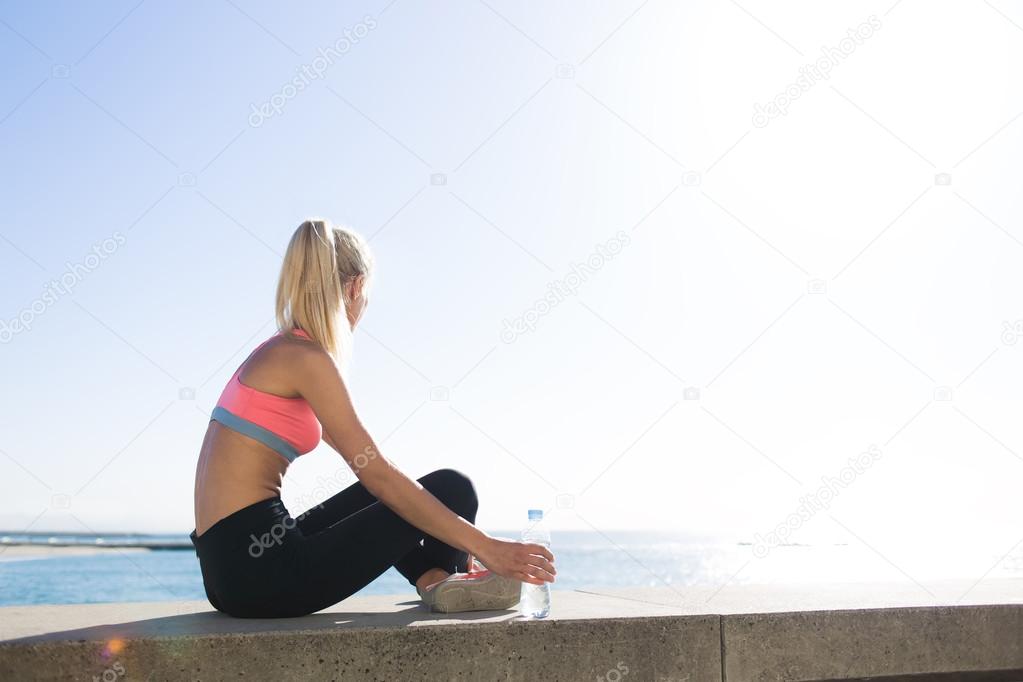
[257, 560]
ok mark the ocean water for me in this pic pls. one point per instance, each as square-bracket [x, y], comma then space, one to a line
[584, 560]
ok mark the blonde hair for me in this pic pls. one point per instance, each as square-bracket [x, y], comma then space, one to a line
[321, 258]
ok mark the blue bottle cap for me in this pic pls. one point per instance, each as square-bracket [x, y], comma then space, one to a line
[536, 514]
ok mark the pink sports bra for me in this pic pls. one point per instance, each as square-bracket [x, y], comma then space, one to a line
[287, 425]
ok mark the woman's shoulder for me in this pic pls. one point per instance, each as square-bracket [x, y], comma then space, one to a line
[283, 363]
[291, 344]
[298, 349]
[282, 349]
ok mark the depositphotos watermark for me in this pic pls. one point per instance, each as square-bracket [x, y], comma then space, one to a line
[314, 70]
[276, 534]
[615, 674]
[814, 72]
[111, 674]
[278, 531]
[1012, 332]
[341, 478]
[560, 289]
[818, 500]
[62, 286]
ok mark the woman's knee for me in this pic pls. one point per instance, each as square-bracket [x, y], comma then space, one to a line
[453, 488]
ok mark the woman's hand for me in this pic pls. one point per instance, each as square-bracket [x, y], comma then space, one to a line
[525, 561]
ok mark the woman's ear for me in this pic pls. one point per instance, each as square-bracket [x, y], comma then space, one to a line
[359, 286]
[355, 287]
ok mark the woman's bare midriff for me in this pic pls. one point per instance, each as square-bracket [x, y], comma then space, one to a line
[233, 472]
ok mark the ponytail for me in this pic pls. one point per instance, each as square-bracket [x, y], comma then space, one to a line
[319, 261]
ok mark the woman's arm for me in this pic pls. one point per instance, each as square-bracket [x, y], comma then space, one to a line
[320, 383]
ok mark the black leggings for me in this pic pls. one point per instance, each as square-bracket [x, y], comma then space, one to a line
[259, 562]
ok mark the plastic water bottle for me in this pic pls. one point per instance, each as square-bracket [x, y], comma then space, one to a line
[536, 599]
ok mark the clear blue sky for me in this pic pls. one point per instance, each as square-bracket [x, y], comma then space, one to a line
[552, 129]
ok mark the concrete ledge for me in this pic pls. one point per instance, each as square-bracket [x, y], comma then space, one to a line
[946, 631]
[827, 645]
[367, 638]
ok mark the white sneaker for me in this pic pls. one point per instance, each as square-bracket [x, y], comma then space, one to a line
[477, 591]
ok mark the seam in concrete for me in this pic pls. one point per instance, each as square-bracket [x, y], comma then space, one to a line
[721, 634]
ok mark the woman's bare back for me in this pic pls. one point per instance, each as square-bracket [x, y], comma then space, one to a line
[235, 470]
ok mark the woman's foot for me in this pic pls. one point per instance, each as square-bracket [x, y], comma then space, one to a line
[431, 578]
[480, 590]
[435, 575]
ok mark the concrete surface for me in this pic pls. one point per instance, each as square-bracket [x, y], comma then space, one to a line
[372, 638]
[856, 644]
[949, 631]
